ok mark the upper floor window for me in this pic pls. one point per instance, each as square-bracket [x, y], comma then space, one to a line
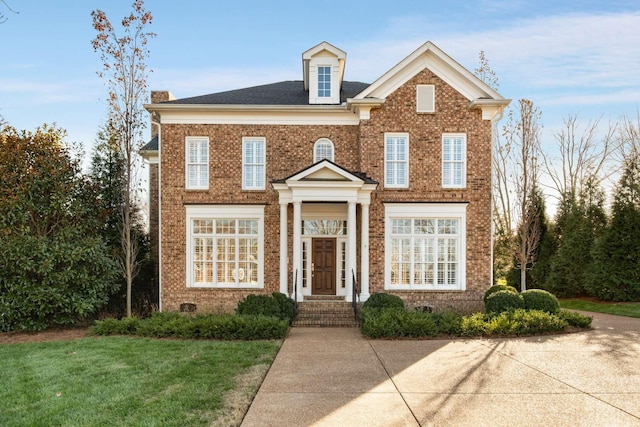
[197, 159]
[323, 149]
[324, 81]
[396, 160]
[454, 159]
[253, 163]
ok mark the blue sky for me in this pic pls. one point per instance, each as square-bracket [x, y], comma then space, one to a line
[569, 57]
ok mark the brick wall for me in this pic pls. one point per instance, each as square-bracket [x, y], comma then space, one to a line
[290, 149]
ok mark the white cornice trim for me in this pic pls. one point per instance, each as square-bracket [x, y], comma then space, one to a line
[433, 58]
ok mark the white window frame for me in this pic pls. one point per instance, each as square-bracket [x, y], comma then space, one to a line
[201, 162]
[322, 92]
[259, 179]
[237, 212]
[433, 211]
[318, 144]
[388, 162]
[452, 158]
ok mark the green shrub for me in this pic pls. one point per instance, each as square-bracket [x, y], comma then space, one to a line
[449, 322]
[538, 299]
[203, 326]
[495, 288]
[473, 325]
[381, 300]
[505, 300]
[396, 322]
[259, 304]
[529, 322]
[287, 305]
[575, 319]
[126, 326]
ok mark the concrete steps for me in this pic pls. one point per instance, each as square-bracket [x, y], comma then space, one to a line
[325, 312]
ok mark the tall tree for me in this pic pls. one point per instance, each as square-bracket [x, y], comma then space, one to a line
[502, 166]
[125, 70]
[54, 266]
[522, 135]
[583, 156]
[615, 272]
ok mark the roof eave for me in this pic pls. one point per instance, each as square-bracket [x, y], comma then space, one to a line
[242, 107]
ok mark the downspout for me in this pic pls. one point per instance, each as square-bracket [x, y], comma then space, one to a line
[156, 120]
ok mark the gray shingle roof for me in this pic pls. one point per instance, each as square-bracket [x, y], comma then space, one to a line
[282, 93]
[151, 145]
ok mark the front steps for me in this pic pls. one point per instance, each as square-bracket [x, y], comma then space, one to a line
[325, 312]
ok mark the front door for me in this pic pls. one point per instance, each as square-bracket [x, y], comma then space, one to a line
[323, 267]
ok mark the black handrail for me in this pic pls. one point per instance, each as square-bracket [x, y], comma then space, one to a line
[354, 294]
[295, 288]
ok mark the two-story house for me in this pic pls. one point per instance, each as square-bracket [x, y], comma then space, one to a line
[316, 186]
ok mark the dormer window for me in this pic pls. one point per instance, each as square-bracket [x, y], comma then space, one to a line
[324, 81]
[323, 70]
[322, 149]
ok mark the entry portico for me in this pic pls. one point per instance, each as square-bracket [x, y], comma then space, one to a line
[324, 197]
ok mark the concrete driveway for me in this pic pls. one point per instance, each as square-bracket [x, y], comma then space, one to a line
[336, 377]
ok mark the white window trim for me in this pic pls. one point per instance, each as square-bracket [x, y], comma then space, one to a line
[224, 211]
[463, 184]
[426, 211]
[395, 135]
[264, 163]
[322, 141]
[186, 163]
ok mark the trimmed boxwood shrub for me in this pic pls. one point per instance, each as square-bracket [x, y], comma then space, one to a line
[504, 300]
[495, 288]
[381, 300]
[287, 305]
[538, 299]
[448, 322]
[397, 322]
[575, 319]
[204, 326]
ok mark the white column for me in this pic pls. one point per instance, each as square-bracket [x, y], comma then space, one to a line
[364, 252]
[297, 248]
[351, 248]
[284, 254]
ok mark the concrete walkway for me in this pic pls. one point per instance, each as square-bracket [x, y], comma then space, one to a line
[336, 377]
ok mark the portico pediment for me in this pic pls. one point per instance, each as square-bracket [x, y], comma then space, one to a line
[324, 181]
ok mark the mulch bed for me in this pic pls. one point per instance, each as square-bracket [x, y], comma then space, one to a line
[52, 334]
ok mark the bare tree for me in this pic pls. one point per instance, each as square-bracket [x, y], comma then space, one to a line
[583, 156]
[629, 137]
[522, 136]
[3, 17]
[126, 73]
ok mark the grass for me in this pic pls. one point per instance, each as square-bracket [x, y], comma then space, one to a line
[629, 309]
[126, 381]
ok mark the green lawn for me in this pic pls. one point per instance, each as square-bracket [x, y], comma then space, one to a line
[629, 309]
[127, 381]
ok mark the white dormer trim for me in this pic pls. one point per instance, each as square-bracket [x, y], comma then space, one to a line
[323, 55]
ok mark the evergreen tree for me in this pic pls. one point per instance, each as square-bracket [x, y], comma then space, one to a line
[615, 271]
[580, 222]
[54, 267]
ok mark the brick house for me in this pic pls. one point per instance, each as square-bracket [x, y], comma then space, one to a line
[320, 186]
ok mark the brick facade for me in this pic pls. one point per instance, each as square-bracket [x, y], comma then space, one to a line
[289, 149]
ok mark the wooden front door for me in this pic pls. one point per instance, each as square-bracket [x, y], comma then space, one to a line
[323, 269]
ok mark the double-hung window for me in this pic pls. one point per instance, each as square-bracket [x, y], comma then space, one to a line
[425, 247]
[324, 81]
[396, 160]
[197, 167]
[454, 160]
[225, 246]
[253, 163]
